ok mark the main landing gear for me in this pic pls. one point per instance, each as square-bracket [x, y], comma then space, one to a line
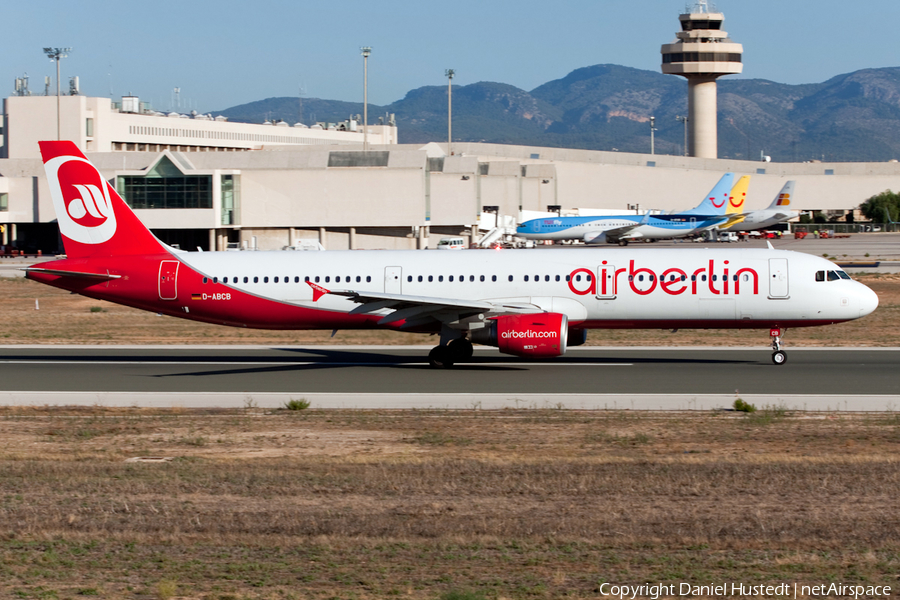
[779, 357]
[458, 350]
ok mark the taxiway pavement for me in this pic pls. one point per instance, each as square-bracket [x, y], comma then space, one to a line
[399, 377]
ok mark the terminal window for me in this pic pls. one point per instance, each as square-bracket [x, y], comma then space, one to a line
[4, 202]
[193, 191]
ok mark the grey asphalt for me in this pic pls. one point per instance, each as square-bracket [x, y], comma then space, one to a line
[399, 377]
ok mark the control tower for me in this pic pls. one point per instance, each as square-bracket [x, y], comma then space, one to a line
[702, 52]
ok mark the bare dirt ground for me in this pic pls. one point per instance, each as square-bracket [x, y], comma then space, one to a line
[64, 318]
[439, 505]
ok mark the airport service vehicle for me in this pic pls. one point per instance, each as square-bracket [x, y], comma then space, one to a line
[620, 229]
[452, 243]
[528, 303]
[776, 212]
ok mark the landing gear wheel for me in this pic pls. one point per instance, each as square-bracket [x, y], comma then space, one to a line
[623, 242]
[461, 349]
[778, 355]
[440, 357]
[779, 358]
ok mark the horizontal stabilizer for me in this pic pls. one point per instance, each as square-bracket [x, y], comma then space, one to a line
[81, 274]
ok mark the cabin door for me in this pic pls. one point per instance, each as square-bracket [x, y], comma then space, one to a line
[168, 280]
[778, 278]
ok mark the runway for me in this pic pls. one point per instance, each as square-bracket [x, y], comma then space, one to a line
[399, 377]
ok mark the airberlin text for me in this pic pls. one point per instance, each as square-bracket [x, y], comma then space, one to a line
[783, 590]
[529, 333]
[719, 280]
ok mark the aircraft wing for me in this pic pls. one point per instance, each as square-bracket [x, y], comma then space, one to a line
[732, 220]
[418, 310]
[598, 237]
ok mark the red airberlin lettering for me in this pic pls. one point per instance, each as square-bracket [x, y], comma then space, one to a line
[672, 281]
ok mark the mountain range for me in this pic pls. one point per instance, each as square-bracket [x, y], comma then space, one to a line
[851, 117]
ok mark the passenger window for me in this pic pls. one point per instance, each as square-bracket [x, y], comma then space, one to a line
[820, 275]
[526, 277]
[358, 279]
[683, 277]
[265, 280]
[715, 277]
[569, 278]
[256, 280]
[450, 279]
[306, 278]
[471, 278]
[482, 278]
[224, 280]
[746, 277]
[440, 278]
[546, 278]
[317, 279]
[276, 280]
[832, 276]
[703, 278]
[430, 278]
[693, 278]
[557, 277]
[205, 280]
[327, 279]
[493, 278]
[462, 278]
[409, 278]
[368, 278]
[589, 278]
[631, 278]
[287, 279]
[215, 280]
[420, 279]
[245, 279]
[510, 277]
[297, 279]
[640, 277]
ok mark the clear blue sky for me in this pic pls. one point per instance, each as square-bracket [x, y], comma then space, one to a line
[225, 53]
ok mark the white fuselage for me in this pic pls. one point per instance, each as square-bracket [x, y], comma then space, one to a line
[607, 287]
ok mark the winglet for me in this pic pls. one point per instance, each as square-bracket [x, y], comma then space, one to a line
[318, 290]
[646, 218]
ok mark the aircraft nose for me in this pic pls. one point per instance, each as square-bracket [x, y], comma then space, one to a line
[868, 301]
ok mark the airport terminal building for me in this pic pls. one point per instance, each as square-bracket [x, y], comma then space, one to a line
[203, 182]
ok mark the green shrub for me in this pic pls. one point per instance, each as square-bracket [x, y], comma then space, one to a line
[294, 404]
[741, 406]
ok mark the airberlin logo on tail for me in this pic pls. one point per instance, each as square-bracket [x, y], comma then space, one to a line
[81, 199]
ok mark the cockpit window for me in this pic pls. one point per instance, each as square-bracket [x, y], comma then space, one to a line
[833, 276]
[842, 274]
[820, 275]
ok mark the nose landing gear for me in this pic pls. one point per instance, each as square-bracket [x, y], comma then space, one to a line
[779, 357]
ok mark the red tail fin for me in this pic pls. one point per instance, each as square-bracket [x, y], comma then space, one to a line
[93, 218]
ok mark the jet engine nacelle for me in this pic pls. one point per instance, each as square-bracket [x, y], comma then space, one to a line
[536, 335]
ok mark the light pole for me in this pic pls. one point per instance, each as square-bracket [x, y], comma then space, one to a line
[449, 73]
[366, 51]
[685, 121]
[652, 130]
[56, 54]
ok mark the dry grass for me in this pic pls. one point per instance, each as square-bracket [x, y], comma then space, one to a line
[418, 504]
[68, 319]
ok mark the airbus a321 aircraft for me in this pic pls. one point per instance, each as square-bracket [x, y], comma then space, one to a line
[529, 303]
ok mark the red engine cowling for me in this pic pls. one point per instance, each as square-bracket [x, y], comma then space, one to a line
[539, 335]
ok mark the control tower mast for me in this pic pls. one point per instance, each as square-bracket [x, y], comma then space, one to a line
[702, 52]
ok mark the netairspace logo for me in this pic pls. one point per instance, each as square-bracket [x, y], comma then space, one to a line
[781, 590]
[529, 333]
